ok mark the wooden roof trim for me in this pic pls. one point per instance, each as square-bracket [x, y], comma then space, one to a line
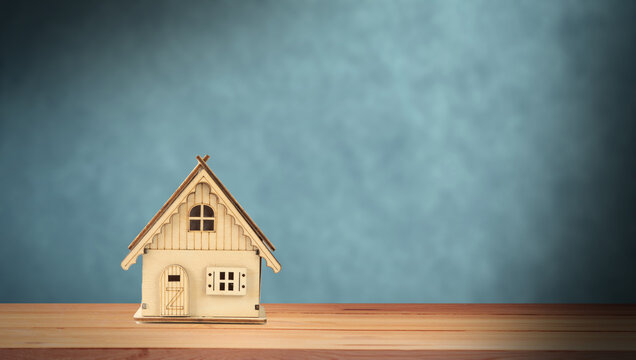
[165, 206]
[203, 176]
[239, 208]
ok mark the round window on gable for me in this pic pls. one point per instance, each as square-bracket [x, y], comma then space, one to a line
[201, 218]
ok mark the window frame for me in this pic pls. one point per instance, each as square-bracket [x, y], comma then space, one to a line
[202, 218]
[213, 281]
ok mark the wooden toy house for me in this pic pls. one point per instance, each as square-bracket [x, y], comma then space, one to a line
[201, 256]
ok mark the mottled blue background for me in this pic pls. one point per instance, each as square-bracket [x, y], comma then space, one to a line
[393, 151]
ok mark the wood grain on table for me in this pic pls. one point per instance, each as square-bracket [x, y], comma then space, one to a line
[463, 331]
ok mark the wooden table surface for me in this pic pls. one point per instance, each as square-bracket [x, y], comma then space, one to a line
[463, 331]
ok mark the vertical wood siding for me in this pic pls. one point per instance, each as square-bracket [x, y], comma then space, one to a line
[228, 234]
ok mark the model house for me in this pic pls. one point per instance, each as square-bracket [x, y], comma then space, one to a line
[201, 256]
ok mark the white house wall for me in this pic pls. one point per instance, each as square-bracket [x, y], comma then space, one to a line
[195, 264]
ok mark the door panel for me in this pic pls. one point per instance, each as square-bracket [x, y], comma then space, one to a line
[175, 294]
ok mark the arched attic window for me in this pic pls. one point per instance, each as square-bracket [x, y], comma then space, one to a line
[201, 218]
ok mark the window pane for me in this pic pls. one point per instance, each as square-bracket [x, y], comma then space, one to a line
[195, 225]
[207, 211]
[196, 211]
[230, 276]
[230, 286]
[222, 275]
[174, 277]
[222, 286]
[208, 224]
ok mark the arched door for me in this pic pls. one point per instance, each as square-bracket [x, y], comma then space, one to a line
[174, 291]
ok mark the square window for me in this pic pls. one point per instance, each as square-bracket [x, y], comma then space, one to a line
[195, 225]
[225, 281]
[208, 224]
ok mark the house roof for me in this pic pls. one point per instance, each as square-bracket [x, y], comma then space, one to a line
[202, 165]
[202, 171]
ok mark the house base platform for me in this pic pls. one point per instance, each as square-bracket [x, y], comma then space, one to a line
[261, 319]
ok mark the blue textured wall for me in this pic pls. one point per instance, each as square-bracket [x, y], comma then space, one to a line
[393, 151]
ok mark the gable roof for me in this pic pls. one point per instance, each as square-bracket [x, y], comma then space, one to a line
[267, 247]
